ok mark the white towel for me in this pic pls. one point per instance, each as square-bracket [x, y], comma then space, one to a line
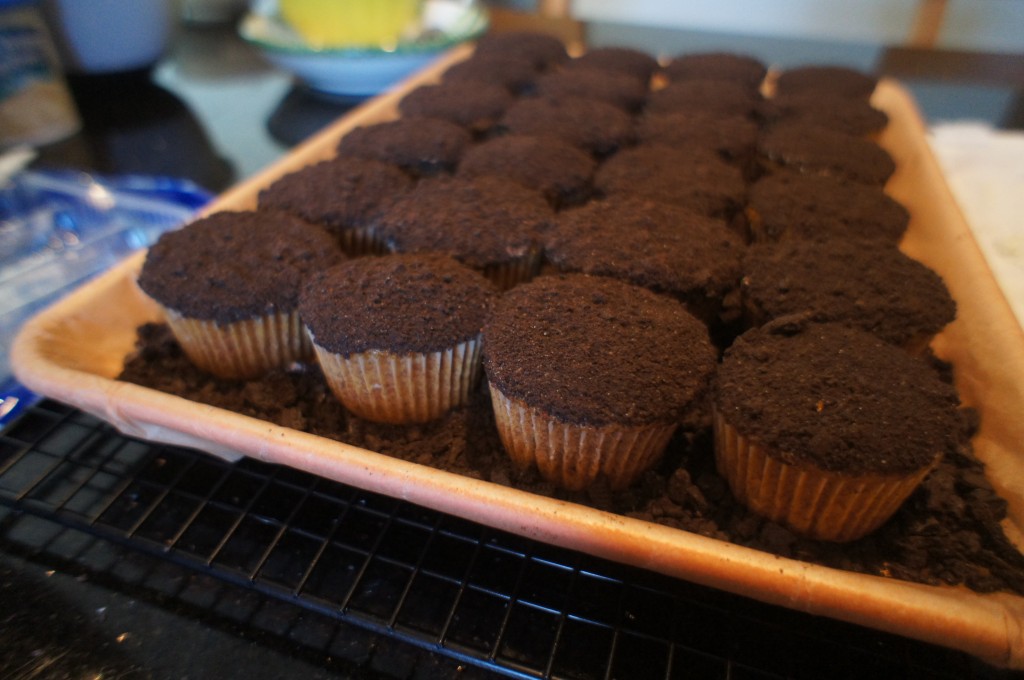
[985, 171]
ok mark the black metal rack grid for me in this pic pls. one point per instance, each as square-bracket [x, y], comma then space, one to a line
[359, 581]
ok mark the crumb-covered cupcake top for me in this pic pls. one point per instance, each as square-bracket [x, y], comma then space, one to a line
[872, 286]
[652, 244]
[422, 146]
[514, 72]
[835, 397]
[557, 169]
[719, 97]
[732, 136]
[819, 150]
[692, 177]
[339, 194]
[826, 79]
[618, 89]
[739, 68]
[594, 126]
[787, 204]
[479, 221]
[233, 266]
[593, 350]
[835, 112]
[542, 49]
[396, 303]
[475, 106]
[637, 64]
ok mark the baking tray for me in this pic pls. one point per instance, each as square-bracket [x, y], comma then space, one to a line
[74, 350]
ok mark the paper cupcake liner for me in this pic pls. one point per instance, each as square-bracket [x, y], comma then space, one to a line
[359, 241]
[244, 349]
[510, 274]
[402, 388]
[573, 456]
[813, 502]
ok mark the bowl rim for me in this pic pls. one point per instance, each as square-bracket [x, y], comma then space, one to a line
[264, 28]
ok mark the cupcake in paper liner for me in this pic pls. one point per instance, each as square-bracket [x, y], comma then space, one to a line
[398, 337]
[866, 284]
[827, 429]
[229, 286]
[590, 376]
[343, 195]
[487, 223]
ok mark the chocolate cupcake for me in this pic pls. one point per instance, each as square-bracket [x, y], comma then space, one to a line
[694, 178]
[826, 79]
[342, 195]
[638, 65]
[475, 106]
[851, 116]
[733, 137]
[542, 49]
[827, 429]
[785, 205]
[618, 89]
[715, 97]
[516, 73]
[821, 151]
[229, 285]
[595, 126]
[742, 69]
[420, 146]
[659, 246]
[590, 376]
[871, 286]
[561, 172]
[398, 337]
[487, 223]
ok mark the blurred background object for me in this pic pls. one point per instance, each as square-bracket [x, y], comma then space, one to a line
[201, 12]
[353, 23]
[35, 106]
[106, 36]
[339, 69]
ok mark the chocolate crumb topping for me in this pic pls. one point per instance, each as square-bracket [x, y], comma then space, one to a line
[740, 68]
[637, 64]
[692, 177]
[843, 114]
[475, 106]
[656, 245]
[543, 50]
[718, 97]
[594, 350]
[422, 146]
[479, 221]
[835, 397]
[872, 286]
[618, 89]
[232, 266]
[397, 303]
[557, 169]
[826, 79]
[592, 125]
[339, 194]
[786, 204]
[820, 150]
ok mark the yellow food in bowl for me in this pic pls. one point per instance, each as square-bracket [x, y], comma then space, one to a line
[350, 23]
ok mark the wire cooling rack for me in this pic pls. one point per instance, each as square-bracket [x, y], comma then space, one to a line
[358, 582]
